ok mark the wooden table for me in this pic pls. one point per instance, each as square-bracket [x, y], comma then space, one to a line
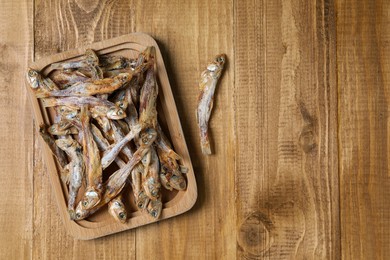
[300, 127]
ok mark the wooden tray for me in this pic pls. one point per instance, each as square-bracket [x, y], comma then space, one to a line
[101, 223]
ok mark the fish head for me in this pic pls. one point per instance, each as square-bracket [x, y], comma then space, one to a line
[124, 77]
[220, 60]
[154, 208]
[177, 181]
[152, 188]
[91, 57]
[80, 213]
[117, 210]
[91, 199]
[165, 182]
[68, 112]
[116, 113]
[122, 104]
[216, 66]
[34, 78]
[142, 200]
[148, 136]
[59, 127]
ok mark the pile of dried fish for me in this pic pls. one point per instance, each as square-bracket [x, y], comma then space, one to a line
[105, 112]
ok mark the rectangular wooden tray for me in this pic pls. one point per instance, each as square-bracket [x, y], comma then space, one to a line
[101, 223]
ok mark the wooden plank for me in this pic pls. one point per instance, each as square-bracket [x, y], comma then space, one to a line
[363, 52]
[15, 131]
[286, 127]
[59, 26]
[190, 34]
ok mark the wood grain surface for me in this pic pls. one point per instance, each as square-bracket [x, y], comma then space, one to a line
[364, 75]
[299, 128]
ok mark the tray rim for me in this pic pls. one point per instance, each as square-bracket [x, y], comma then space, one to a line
[189, 197]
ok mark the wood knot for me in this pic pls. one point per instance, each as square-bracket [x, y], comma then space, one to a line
[307, 139]
[254, 234]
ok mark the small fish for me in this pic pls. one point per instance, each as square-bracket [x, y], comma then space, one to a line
[76, 169]
[147, 107]
[141, 199]
[117, 209]
[63, 128]
[38, 83]
[171, 176]
[89, 88]
[207, 85]
[150, 177]
[91, 157]
[154, 208]
[97, 106]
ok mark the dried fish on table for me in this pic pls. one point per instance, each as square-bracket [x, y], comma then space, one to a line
[75, 169]
[89, 88]
[141, 199]
[147, 107]
[100, 120]
[171, 176]
[150, 177]
[207, 85]
[98, 107]
[94, 170]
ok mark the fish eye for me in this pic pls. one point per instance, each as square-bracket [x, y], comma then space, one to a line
[122, 215]
[154, 193]
[120, 112]
[32, 73]
[153, 213]
[140, 205]
[85, 203]
[78, 215]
